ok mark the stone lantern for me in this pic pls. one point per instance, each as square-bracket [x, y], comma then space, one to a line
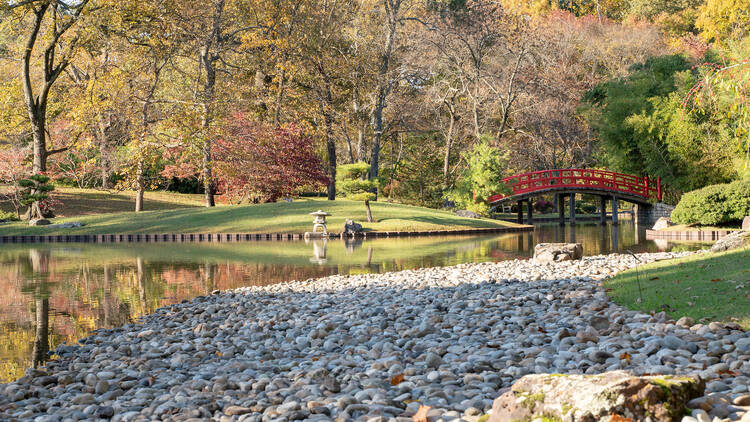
[320, 221]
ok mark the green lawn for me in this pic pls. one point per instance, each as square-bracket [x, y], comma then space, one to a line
[265, 218]
[711, 286]
[77, 202]
[693, 228]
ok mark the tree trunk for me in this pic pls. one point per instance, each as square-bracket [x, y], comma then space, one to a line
[40, 141]
[141, 277]
[448, 145]
[383, 84]
[103, 153]
[140, 187]
[41, 340]
[208, 184]
[208, 97]
[332, 162]
[279, 99]
[330, 141]
[369, 212]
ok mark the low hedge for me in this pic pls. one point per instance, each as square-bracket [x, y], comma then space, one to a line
[7, 216]
[714, 205]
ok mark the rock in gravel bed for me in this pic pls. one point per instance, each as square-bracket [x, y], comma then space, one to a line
[612, 396]
[377, 347]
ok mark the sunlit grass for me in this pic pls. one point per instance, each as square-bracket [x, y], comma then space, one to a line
[711, 286]
[263, 218]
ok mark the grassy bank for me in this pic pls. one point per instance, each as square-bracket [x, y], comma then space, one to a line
[77, 202]
[264, 218]
[694, 228]
[712, 286]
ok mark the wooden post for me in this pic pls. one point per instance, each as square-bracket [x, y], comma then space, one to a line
[520, 212]
[572, 205]
[615, 211]
[603, 210]
[561, 208]
[658, 189]
[530, 212]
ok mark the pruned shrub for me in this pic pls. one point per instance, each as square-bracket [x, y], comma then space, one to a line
[714, 205]
[8, 216]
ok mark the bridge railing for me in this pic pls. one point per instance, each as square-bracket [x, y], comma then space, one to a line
[582, 178]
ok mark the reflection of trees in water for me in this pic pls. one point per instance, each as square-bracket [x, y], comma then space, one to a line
[65, 298]
[66, 294]
[40, 272]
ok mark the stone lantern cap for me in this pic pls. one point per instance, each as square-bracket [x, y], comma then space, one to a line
[320, 213]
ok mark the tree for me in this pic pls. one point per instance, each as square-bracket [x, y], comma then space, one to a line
[356, 186]
[482, 178]
[261, 163]
[659, 121]
[13, 169]
[34, 190]
[724, 20]
[52, 22]
[326, 55]
[210, 35]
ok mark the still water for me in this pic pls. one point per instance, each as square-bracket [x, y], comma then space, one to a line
[52, 294]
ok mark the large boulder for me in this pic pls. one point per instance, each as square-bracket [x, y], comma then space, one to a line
[39, 222]
[555, 252]
[351, 228]
[731, 241]
[467, 214]
[662, 223]
[611, 396]
[746, 223]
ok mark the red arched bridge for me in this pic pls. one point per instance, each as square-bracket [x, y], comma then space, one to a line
[607, 185]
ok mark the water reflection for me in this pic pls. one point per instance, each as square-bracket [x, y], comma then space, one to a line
[58, 293]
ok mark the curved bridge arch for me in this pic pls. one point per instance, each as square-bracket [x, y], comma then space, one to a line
[569, 182]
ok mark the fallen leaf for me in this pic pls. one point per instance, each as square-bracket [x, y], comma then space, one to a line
[715, 280]
[618, 418]
[654, 278]
[727, 372]
[421, 415]
[626, 357]
[398, 379]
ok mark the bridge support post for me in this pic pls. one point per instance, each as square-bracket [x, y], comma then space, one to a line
[572, 205]
[603, 210]
[520, 212]
[530, 212]
[615, 211]
[561, 208]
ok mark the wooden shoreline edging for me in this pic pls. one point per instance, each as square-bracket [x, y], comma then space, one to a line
[235, 237]
[695, 235]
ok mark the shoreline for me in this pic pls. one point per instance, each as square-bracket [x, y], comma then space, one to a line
[238, 237]
[374, 346]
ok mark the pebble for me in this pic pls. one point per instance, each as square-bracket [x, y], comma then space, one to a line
[375, 347]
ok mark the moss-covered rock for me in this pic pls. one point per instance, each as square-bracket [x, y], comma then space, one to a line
[589, 398]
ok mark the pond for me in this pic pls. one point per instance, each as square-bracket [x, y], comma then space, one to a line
[61, 292]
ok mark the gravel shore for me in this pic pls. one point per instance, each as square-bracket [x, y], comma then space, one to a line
[375, 348]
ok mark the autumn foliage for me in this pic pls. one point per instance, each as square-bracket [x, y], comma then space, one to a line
[259, 163]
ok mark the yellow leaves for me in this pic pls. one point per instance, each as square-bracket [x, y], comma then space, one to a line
[421, 415]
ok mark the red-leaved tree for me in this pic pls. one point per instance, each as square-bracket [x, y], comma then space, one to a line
[13, 168]
[260, 163]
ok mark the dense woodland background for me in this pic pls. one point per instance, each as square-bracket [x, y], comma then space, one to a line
[256, 100]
